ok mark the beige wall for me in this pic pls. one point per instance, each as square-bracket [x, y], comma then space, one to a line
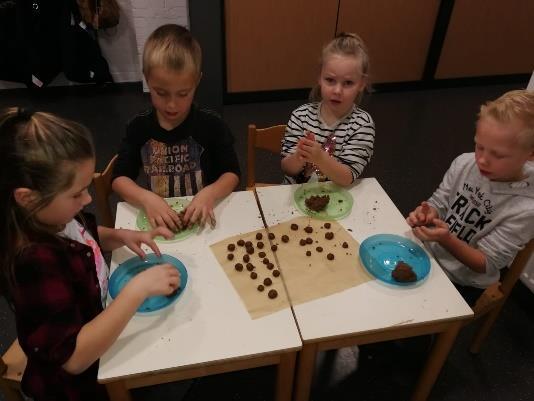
[274, 45]
[397, 33]
[488, 37]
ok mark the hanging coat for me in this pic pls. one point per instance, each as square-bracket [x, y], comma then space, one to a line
[43, 38]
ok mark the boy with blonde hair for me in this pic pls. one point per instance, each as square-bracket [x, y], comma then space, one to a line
[183, 150]
[482, 214]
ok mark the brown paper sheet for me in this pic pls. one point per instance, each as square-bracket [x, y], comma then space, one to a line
[305, 277]
[257, 303]
[311, 277]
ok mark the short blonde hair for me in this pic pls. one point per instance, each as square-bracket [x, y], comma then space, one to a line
[517, 105]
[173, 47]
[345, 44]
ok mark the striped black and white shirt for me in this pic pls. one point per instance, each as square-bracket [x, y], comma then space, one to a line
[355, 135]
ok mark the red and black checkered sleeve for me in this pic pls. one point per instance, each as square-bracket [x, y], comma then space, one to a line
[48, 315]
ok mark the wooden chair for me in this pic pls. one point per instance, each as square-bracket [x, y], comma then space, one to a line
[102, 184]
[269, 139]
[12, 365]
[490, 303]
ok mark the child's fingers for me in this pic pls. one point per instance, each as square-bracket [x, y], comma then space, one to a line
[174, 281]
[164, 279]
[207, 217]
[204, 217]
[194, 217]
[138, 251]
[427, 211]
[152, 245]
[172, 273]
[176, 220]
[439, 223]
[212, 220]
[163, 231]
[168, 221]
[161, 221]
[425, 207]
[186, 218]
[419, 233]
[413, 219]
[305, 153]
[425, 230]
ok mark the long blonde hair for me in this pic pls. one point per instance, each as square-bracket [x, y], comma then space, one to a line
[345, 44]
[39, 152]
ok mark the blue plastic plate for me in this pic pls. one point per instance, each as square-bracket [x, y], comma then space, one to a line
[128, 269]
[380, 254]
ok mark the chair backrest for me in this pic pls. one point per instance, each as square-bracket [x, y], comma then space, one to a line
[490, 303]
[498, 292]
[102, 184]
[269, 139]
[516, 268]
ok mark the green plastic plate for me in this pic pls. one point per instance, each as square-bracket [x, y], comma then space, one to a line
[338, 207]
[177, 204]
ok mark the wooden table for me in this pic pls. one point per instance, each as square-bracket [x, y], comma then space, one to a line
[208, 330]
[378, 312]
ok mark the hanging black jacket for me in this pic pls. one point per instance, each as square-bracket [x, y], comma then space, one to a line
[41, 38]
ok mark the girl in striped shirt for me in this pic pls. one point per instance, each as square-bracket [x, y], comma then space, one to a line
[331, 138]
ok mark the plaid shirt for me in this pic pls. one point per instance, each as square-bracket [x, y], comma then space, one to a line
[57, 293]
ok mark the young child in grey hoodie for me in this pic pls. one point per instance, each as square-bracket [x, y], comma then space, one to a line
[482, 214]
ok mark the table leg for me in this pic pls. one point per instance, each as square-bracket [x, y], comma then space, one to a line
[285, 376]
[117, 391]
[435, 362]
[305, 370]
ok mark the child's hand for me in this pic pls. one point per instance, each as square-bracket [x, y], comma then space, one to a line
[438, 232]
[310, 150]
[308, 136]
[423, 215]
[200, 210]
[160, 214]
[134, 239]
[161, 279]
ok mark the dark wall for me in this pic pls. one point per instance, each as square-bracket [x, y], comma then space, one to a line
[205, 19]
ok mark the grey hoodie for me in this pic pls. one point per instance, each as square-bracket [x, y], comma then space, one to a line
[495, 217]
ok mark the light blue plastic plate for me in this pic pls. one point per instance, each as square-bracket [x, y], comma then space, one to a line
[128, 269]
[380, 254]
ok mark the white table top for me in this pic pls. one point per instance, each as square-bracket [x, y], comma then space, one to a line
[373, 305]
[210, 323]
